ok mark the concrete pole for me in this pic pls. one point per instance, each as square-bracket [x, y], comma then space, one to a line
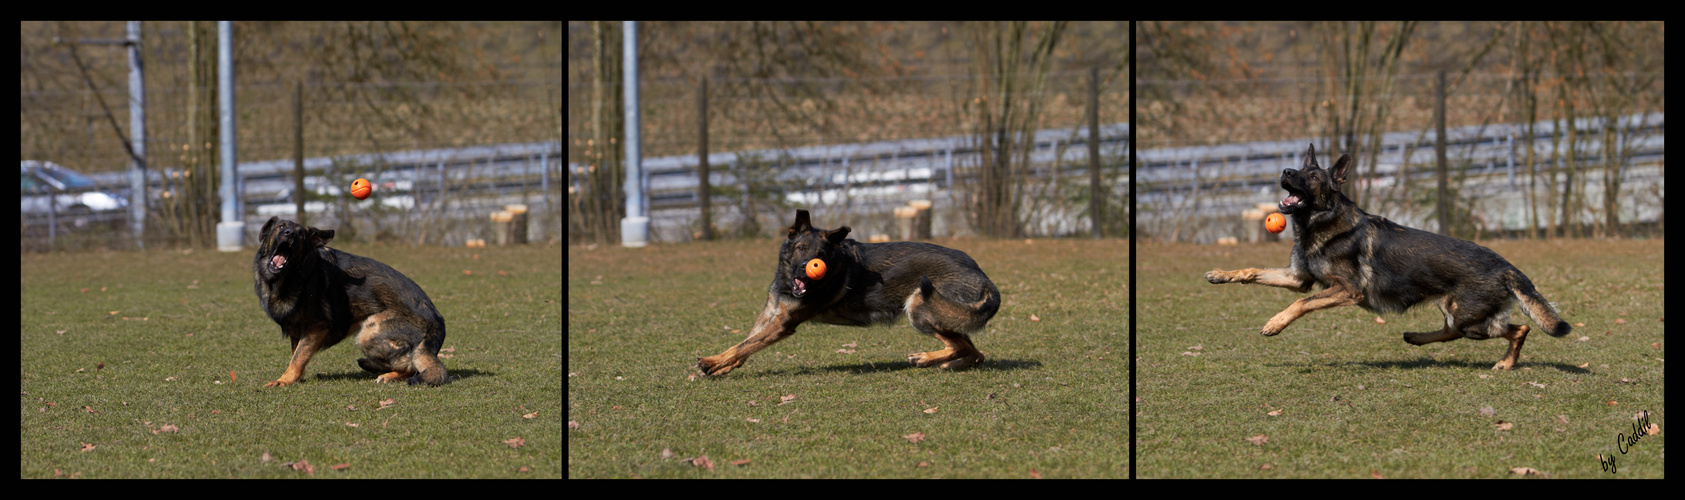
[231, 232]
[634, 229]
[137, 139]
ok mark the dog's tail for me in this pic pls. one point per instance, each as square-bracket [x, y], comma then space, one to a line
[1535, 305]
[428, 369]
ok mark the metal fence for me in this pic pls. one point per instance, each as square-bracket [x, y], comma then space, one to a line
[442, 156]
[871, 179]
[1204, 189]
[1214, 149]
[861, 145]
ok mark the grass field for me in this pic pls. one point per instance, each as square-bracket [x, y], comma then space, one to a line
[1050, 401]
[151, 365]
[1355, 401]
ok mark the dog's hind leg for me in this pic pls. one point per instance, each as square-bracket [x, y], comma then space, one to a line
[396, 351]
[958, 354]
[1424, 338]
[1476, 323]
[1516, 335]
[1447, 307]
[934, 315]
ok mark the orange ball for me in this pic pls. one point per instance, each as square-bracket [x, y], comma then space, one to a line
[360, 188]
[816, 269]
[1275, 223]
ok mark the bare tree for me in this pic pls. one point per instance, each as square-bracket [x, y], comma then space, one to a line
[1008, 94]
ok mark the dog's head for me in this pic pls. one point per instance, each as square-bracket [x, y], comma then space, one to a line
[1312, 189]
[806, 243]
[284, 243]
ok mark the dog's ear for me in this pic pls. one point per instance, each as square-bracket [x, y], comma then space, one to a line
[801, 224]
[836, 236]
[1340, 168]
[320, 237]
[1310, 157]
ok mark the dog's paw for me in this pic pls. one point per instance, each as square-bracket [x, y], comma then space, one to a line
[928, 359]
[963, 362]
[946, 359]
[1415, 338]
[714, 368]
[1217, 276]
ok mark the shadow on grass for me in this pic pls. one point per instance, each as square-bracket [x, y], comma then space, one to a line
[359, 375]
[991, 364]
[1430, 362]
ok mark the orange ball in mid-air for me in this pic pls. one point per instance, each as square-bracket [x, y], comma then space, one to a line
[360, 188]
[1275, 223]
[816, 269]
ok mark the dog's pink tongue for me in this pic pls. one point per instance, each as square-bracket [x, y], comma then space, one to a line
[278, 261]
[1291, 199]
[798, 287]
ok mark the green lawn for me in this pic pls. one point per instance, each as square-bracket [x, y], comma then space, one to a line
[1355, 401]
[1050, 401]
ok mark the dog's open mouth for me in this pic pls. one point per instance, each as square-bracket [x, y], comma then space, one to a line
[797, 287]
[1290, 203]
[279, 260]
[1293, 200]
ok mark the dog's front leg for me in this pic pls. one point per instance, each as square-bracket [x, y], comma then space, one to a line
[775, 322]
[1339, 293]
[304, 346]
[1284, 277]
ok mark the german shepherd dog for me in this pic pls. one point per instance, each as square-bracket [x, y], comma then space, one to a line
[941, 289]
[1371, 262]
[320, 295]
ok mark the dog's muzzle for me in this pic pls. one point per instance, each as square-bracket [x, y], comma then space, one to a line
[278, 260]
[1292, 202]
